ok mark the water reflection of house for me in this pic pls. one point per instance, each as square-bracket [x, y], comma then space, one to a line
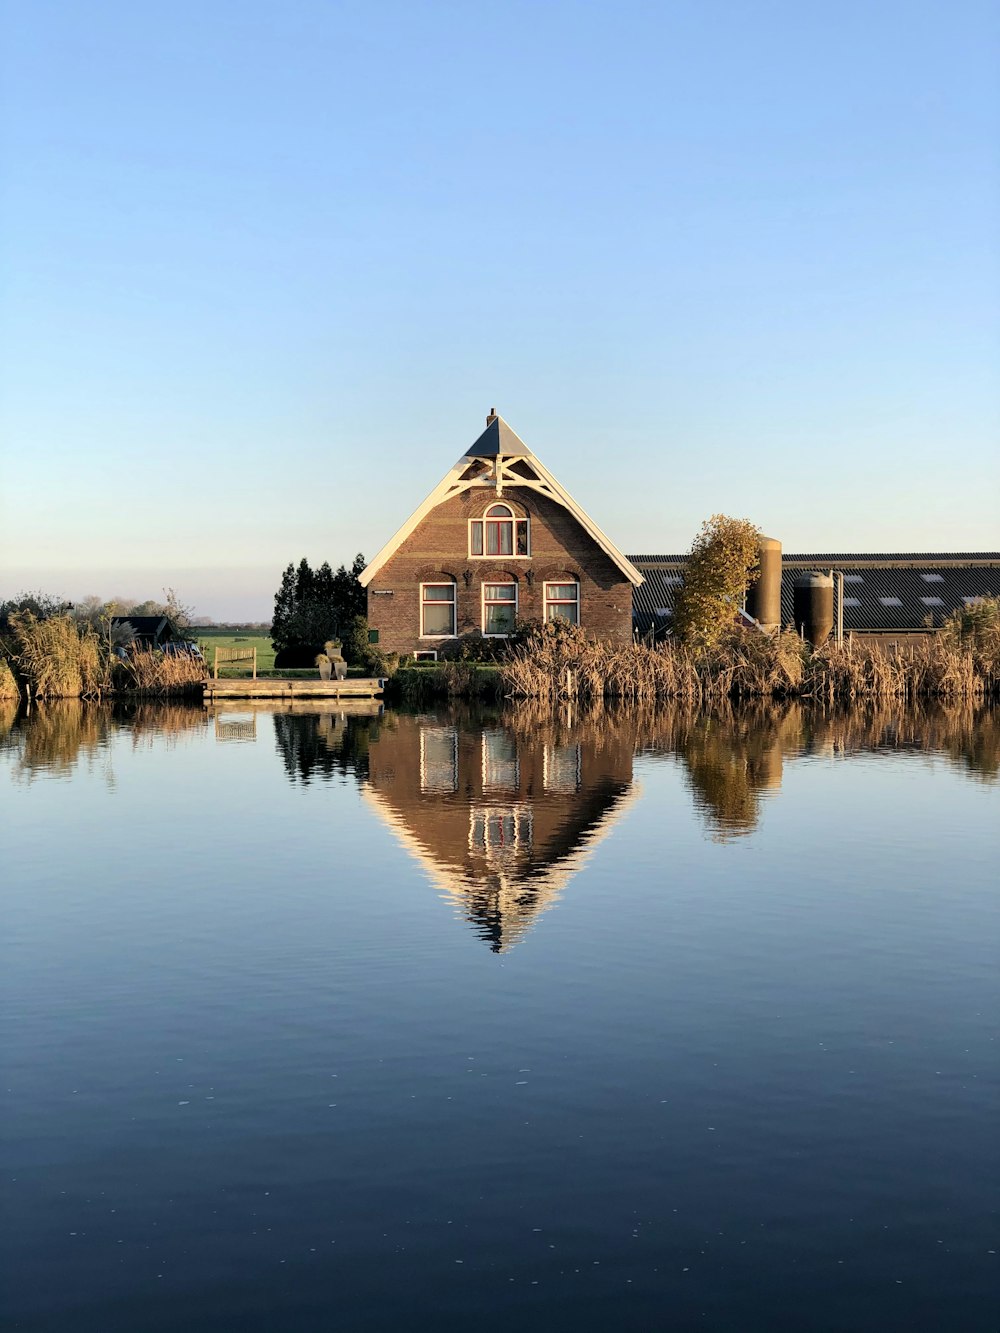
[500, 820]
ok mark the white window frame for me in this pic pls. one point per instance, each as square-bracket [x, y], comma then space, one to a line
[514, 520]
[440, 583]
[559, 601]
[496, 583]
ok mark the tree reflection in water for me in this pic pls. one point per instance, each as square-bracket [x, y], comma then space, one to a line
[327, 744]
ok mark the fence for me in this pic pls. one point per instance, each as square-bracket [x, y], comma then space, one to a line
[232, 656]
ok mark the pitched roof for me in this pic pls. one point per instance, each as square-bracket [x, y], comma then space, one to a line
[498, 438]
[886, 591]
[498, 442]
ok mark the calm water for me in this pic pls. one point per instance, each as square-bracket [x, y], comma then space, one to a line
[463, 1021]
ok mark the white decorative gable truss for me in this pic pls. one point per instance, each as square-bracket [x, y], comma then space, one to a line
[498, 459]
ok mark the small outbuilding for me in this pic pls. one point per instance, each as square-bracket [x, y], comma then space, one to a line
[497, 541]
[150, 631]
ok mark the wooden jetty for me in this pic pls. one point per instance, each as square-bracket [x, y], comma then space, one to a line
[293, 690]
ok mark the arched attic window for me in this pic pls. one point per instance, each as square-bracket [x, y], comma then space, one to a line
[498, 532]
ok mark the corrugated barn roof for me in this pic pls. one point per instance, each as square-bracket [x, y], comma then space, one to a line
[881, 592]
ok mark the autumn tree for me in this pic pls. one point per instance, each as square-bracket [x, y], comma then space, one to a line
[724, 557]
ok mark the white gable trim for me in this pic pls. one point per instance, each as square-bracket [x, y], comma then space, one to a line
[454, 483]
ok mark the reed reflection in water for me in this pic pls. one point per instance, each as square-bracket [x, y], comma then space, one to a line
[53, 737]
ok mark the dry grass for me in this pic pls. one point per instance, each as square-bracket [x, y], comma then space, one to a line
[59, 658]
[56, 657]
[8, 682]
[932, 669]
[558, 662]
[147, 672]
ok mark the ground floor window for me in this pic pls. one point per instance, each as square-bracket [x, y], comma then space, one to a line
[561, 768]
[562, 602]
[437, 610]
[500, 762]
[438, 759]
[499, 608]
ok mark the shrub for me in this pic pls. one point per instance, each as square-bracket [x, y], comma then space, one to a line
[473, 646]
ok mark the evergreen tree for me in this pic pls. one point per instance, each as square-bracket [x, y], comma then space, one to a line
[305, 580]
[284, 608]
[324, 587]
[312, 606]
[350, 597]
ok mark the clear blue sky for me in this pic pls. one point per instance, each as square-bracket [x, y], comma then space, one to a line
[266, 267]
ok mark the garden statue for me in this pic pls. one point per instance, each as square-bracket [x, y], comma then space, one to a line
[332, 649]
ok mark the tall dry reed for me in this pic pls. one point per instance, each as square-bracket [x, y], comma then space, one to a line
[8, 682]
[57, 658]
[147, 672]
[933, 668]
[559, 662]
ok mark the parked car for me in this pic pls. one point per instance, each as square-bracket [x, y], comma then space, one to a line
[183, 648]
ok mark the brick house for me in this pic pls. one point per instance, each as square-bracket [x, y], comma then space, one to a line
[497, 541]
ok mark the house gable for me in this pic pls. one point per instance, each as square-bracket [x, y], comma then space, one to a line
[498, 542]
[498, 460]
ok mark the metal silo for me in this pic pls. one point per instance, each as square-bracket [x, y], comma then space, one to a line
[764, 594]
[812, 602]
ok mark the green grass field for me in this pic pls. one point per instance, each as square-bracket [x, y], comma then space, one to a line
[209, 640]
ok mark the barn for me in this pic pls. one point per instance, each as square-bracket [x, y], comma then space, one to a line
[885, 595]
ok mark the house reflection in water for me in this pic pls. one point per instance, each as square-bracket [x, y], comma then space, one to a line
[500, 817]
